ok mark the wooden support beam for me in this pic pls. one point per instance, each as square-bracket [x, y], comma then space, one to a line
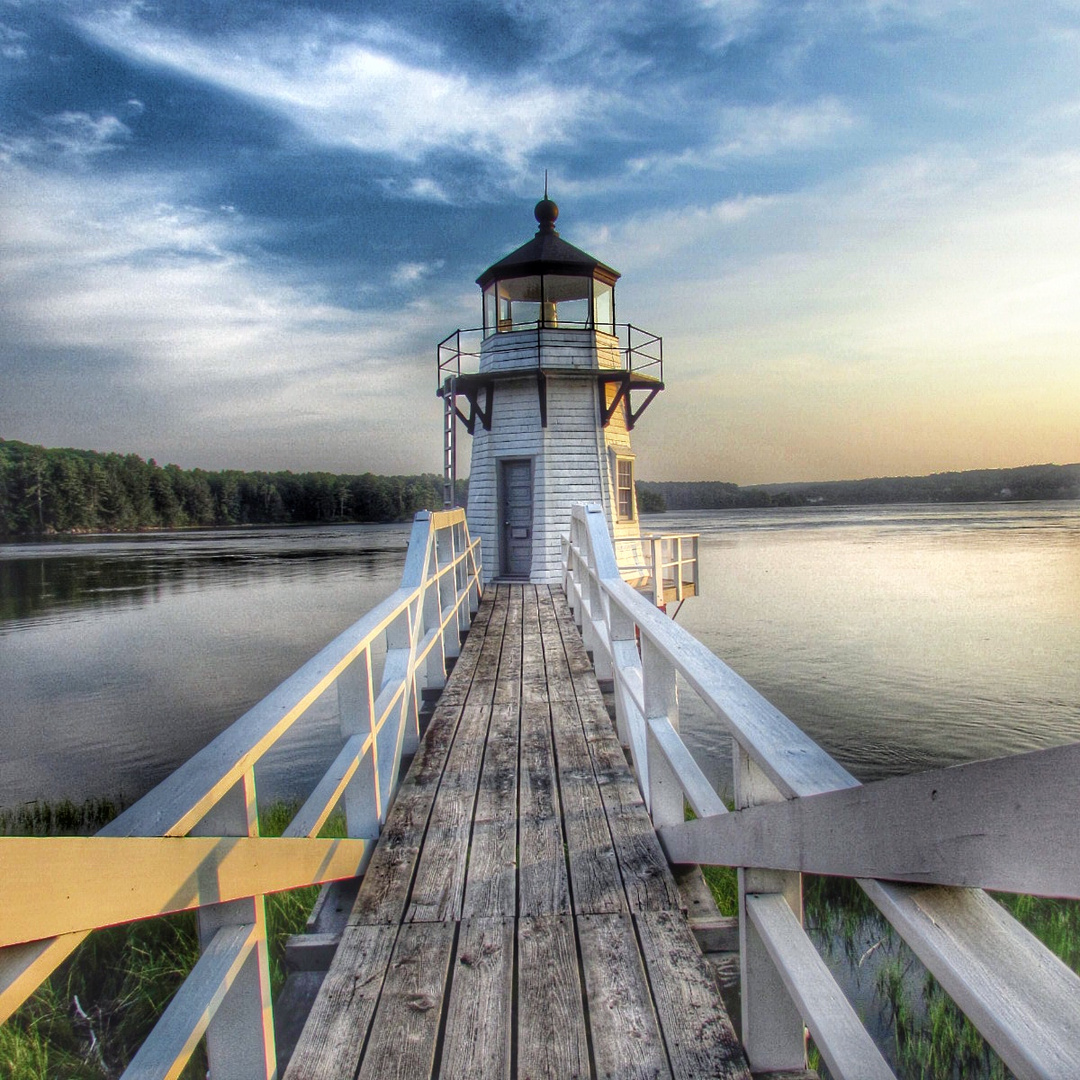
[63, 884]
[988, 824]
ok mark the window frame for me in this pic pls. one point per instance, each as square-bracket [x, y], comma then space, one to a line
[622, 461]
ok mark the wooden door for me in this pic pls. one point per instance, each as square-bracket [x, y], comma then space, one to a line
[516, 515]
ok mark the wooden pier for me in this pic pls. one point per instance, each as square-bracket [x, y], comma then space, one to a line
[518, 917]
[512, 913]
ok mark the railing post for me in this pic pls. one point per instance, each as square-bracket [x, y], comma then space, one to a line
[625, 654]
[240, 1038]
[448, 593]
[656, 546]
[772, 1027]
[356, 713]
[593, 641]
[660, 786]
[431, 618]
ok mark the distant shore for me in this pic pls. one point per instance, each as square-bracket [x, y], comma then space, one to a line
[65, 492]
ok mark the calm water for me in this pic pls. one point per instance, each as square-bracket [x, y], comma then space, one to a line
[899, 638]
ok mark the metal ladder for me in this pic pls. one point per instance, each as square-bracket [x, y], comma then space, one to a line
[449, 442]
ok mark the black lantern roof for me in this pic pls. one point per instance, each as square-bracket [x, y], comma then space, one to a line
[547, 253]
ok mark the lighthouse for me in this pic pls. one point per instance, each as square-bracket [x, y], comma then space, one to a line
[549, 388]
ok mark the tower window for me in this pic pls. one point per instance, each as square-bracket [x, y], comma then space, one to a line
[624, 487]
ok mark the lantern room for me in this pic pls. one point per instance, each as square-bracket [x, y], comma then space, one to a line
[548, 283]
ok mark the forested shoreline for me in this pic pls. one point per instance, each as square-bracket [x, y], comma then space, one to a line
[45, 491]
[976, 485]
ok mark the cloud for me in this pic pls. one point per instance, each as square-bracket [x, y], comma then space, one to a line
[411, 273]
[12, 43]
[205, 334]
[74, 135]
[342, 89]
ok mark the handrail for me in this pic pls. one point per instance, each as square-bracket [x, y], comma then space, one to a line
[193, 841]
[942, 837]
[663, 565]
[641, 351]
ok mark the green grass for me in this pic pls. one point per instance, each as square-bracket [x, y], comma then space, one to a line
[931, 1039]
[87, 1020]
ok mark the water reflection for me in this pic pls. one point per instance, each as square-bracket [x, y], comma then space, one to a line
[62, 575]
[128, 655]
[899, 638]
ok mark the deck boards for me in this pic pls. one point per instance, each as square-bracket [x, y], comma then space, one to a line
[518, 918]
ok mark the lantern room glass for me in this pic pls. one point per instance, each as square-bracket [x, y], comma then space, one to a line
[604, 307]
[548, 300]
[566, 301]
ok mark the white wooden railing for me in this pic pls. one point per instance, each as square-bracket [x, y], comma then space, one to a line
[923, 847]
[193, 842]
[664, 566]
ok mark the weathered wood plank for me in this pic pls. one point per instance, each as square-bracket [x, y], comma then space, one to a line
[487, 667]
[551, 1039]
[646, 876]
[560, 683]
[491, 886]
[439, 884]
[535, 686]
[478, 1023]
[697, 1030]
[645, 872]
[543, 887]
[625, 1037]
[508, 687]
[406, 1023]
[595, 884]
[457, 686]
[384, 891]
[333, 1037]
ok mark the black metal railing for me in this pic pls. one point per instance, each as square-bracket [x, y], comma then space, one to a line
[641, 352]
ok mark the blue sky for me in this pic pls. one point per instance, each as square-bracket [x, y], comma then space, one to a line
[231, 234]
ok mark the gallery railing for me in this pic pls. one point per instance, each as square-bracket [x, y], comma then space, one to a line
[193, 842]
[923, 847]
[640, 352]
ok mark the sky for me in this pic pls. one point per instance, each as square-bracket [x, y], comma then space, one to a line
[232, 232]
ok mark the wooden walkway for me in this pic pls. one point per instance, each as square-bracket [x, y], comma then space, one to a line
[518, 918]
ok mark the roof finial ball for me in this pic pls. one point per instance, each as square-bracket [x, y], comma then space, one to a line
[546, 214]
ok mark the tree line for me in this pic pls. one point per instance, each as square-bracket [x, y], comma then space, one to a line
[62, 490]
[975, 485]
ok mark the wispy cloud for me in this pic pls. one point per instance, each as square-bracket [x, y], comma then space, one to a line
[13, 43]
[342, 89]
[72, 135]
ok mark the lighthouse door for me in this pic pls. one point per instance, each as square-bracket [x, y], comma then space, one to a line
[516, 506]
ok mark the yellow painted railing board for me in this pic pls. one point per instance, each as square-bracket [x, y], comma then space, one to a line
[66, 884]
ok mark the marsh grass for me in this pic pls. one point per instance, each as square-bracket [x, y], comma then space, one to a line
[919, 1027]
[87, 1020]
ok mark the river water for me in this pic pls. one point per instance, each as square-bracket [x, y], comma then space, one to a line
[898, 637]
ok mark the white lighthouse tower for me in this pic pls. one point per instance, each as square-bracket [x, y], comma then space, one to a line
[549, 397]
